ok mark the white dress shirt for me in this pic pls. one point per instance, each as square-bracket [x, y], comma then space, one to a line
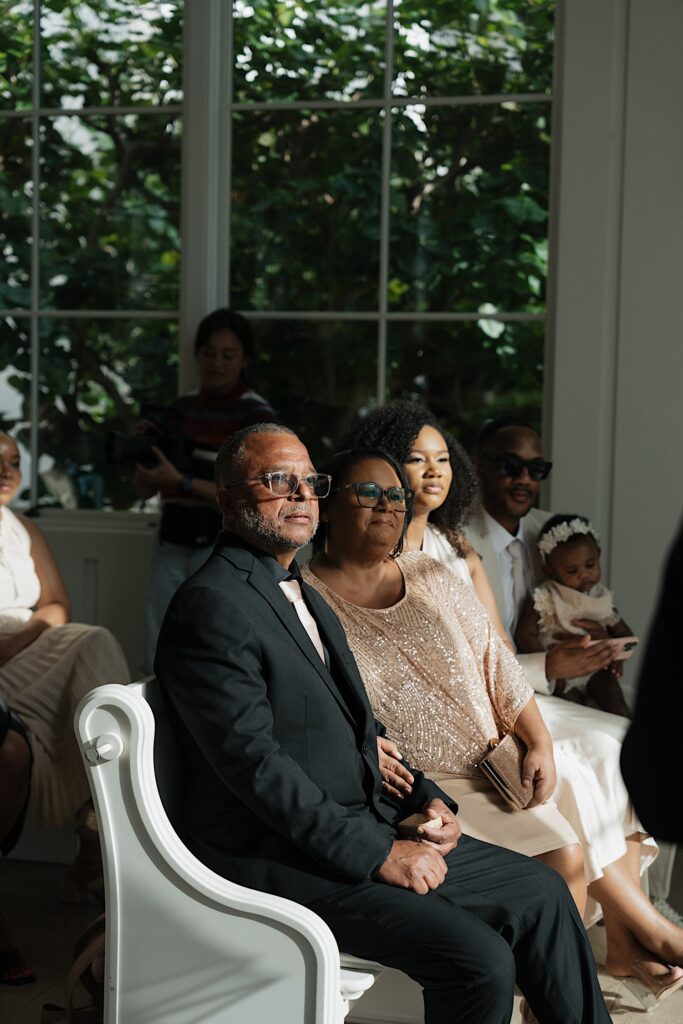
[501, 538]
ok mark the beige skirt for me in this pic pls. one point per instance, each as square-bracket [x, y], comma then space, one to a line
[43, 684]
[483, 814]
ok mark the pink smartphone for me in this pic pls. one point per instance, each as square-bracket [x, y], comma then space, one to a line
[625, 646]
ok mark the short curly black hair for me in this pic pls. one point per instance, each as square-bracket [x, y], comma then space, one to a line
[394, 428]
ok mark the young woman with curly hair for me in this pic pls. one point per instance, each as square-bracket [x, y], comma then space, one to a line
[445, 485]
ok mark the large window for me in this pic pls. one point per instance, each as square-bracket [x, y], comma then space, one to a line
[389, 204]
[388, 208]
[90, 105]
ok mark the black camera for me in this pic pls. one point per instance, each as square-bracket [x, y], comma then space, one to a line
[163, 432]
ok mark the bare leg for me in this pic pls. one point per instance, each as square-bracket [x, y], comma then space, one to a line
[568, 862]
[635, 930]
[15, 761]
[15, 764]
[603, 687]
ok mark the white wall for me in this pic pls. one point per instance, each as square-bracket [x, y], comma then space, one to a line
[615, 366]
[105, 558]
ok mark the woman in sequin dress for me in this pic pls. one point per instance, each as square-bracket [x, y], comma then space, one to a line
[443, 682]
[586, 741]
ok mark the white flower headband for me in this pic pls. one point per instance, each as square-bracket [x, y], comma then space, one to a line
[561, 533]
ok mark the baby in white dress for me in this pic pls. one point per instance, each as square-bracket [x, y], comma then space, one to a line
[574, 601]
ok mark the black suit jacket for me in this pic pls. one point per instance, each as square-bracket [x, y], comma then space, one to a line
[283, 789]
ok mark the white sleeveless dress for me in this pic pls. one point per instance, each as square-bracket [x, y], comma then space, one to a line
[44, 683]
[590, 791]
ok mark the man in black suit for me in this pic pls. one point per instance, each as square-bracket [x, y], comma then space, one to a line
[284, 792]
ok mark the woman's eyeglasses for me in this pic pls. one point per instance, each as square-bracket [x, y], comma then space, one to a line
[370, 494]
[512, 465]
[283, 484]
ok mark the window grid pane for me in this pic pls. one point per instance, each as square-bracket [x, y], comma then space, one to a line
[90, 217]
[428, 257]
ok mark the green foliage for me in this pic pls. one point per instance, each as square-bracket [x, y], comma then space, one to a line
[109, 215]
[16, 51]
[468, 191]
[469, 372]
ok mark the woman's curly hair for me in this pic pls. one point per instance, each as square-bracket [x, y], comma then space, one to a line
[394, 428]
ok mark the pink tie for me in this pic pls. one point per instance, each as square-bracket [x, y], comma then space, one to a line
[519, 589]
[292, 592]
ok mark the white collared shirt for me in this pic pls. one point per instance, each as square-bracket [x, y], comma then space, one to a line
[500, 538]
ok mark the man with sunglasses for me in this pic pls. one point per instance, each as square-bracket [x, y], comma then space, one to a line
[511, 467]
[504, 532]
[283, 787]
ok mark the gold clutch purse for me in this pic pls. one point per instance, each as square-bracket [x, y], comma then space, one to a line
[503, 767]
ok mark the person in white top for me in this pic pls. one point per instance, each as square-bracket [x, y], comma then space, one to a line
[504, 529]
[510, 465]
[573, 600]
[47, 664]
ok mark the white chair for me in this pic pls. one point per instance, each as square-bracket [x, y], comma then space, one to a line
[184, 945]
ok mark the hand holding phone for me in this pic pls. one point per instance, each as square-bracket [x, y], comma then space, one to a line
[626, 646]
[623, 646]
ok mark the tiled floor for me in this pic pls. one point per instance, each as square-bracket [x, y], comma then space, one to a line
[45, 930]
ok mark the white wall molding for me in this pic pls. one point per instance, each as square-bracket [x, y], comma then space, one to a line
[205, 171]
[615, 361]
[587, 185]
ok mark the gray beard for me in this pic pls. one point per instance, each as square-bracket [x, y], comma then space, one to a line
[265, 534]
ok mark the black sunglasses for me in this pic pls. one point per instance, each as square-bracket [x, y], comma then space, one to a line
[511, 465]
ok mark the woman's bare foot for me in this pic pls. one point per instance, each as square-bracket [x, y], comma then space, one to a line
[650, 965]
[628, 959]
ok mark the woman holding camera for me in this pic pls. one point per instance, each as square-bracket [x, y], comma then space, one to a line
[190, 520]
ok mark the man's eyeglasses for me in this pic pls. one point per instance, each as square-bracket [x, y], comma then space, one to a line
[512, 465]
[283, 484]
[370, 494]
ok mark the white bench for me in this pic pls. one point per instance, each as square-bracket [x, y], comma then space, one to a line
[183, 944]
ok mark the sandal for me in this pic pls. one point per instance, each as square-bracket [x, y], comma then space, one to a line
[13, 969]
[650, 989]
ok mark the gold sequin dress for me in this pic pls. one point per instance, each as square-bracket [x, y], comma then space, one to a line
[443, 684]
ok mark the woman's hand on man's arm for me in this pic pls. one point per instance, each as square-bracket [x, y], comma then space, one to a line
[396, 779]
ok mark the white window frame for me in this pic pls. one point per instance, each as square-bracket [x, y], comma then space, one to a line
[206, 182]
[206, 114]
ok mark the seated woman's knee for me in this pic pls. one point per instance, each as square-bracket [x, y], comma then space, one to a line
[15, 756]
[552, 879]
[574, 861]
